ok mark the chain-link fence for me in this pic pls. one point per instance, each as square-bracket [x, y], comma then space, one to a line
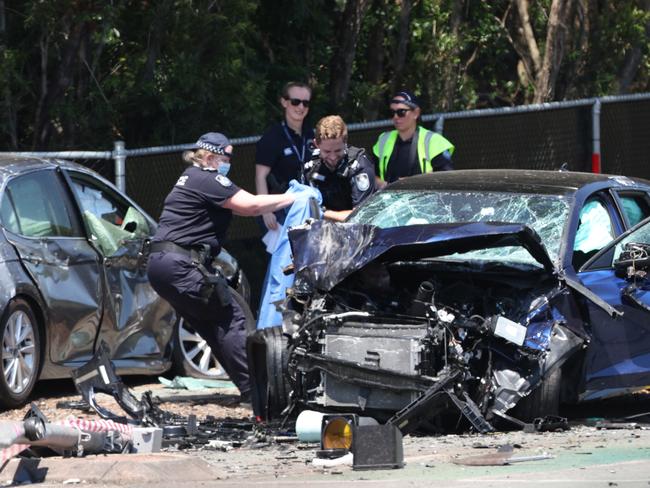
[539, 137]
[610, 133]
[625, 137]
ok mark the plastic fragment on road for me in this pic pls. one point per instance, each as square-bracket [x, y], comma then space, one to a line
[188, 383]
[503, 456]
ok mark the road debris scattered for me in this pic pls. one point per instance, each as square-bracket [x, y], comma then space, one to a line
[501, 457]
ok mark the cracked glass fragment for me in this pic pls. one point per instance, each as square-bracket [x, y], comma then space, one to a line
[546, 214]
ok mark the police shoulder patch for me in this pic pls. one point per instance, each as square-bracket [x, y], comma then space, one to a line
[362, 181]
[223, 180]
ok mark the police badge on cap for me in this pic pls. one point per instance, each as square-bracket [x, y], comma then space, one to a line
[214, 142]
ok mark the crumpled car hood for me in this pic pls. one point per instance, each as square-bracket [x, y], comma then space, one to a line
[325, 253]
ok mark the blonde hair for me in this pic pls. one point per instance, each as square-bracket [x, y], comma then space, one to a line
[196, 157]
[331, 127]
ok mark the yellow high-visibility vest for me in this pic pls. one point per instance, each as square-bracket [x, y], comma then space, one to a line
[429, 144]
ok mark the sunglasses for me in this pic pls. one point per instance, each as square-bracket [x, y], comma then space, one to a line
[297, 101]
[400, 112]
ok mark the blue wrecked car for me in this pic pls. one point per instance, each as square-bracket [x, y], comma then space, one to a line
[466, 299]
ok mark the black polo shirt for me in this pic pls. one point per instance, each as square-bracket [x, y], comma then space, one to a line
[192, 212]
[399, 163]
[284, 151]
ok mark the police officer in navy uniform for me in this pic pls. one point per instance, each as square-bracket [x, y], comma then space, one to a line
[342, 173]
[193, 224]
[284, 147]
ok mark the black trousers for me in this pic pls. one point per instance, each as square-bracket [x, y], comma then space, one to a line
[178, 281]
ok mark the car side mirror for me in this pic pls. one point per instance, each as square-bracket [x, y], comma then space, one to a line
[634, 261]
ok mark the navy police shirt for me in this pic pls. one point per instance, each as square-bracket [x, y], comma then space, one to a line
[346, 192]
[284, 151]
[192, 212]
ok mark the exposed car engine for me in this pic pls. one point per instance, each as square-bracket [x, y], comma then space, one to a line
[390, 331]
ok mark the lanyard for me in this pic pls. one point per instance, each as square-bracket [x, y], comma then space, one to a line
[300, 156]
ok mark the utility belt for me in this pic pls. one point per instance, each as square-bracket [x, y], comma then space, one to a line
[200, 255]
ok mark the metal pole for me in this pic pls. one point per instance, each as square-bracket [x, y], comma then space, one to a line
[440, 124]
[119, 156]
[595, 137]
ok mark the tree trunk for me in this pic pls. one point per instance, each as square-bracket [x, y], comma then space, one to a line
[375, 57]
[584, 21]
[343, 57]
[451, 71]
[531, 57]
[52, 91]
[156, 35]
[633, 59]
[8, 105]
[402, 43]
[555, 47]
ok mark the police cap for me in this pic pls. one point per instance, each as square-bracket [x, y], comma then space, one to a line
[214, 142]
[407, 98]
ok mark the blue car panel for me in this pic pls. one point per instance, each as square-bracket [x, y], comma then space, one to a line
[494, 281]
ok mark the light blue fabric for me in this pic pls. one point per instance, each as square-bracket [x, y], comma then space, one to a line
[595, 228]
[276, 282]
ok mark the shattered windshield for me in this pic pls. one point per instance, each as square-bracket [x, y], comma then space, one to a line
[546, 214]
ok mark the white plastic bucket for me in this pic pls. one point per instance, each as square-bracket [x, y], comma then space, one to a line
[308, 426]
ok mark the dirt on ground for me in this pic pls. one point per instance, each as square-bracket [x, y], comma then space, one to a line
[58, 399]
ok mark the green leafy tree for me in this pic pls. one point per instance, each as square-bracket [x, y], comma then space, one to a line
[83, 73]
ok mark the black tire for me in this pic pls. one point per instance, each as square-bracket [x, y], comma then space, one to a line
[267, 360]
[543, 400]
[193, 357]
[21, 360]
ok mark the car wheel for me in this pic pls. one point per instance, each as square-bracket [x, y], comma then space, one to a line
[543, 400]
[21, 353]
[267, 359]
[192, 354]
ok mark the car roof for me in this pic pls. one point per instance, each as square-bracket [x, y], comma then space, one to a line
[13, 165]
[514, 180]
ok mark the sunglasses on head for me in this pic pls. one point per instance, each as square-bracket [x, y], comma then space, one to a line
[297, 101]
[400, 112]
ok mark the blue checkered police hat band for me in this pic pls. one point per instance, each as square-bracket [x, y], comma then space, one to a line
[214, 142]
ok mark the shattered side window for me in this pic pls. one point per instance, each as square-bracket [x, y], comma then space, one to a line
[641, 236]
[546, 214]
[635, 207]
[110, 219]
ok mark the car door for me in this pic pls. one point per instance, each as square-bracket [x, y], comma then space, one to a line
[618, 357]
[137, 324]
[39, 220]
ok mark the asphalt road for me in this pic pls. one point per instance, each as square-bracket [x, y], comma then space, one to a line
[582, 456]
